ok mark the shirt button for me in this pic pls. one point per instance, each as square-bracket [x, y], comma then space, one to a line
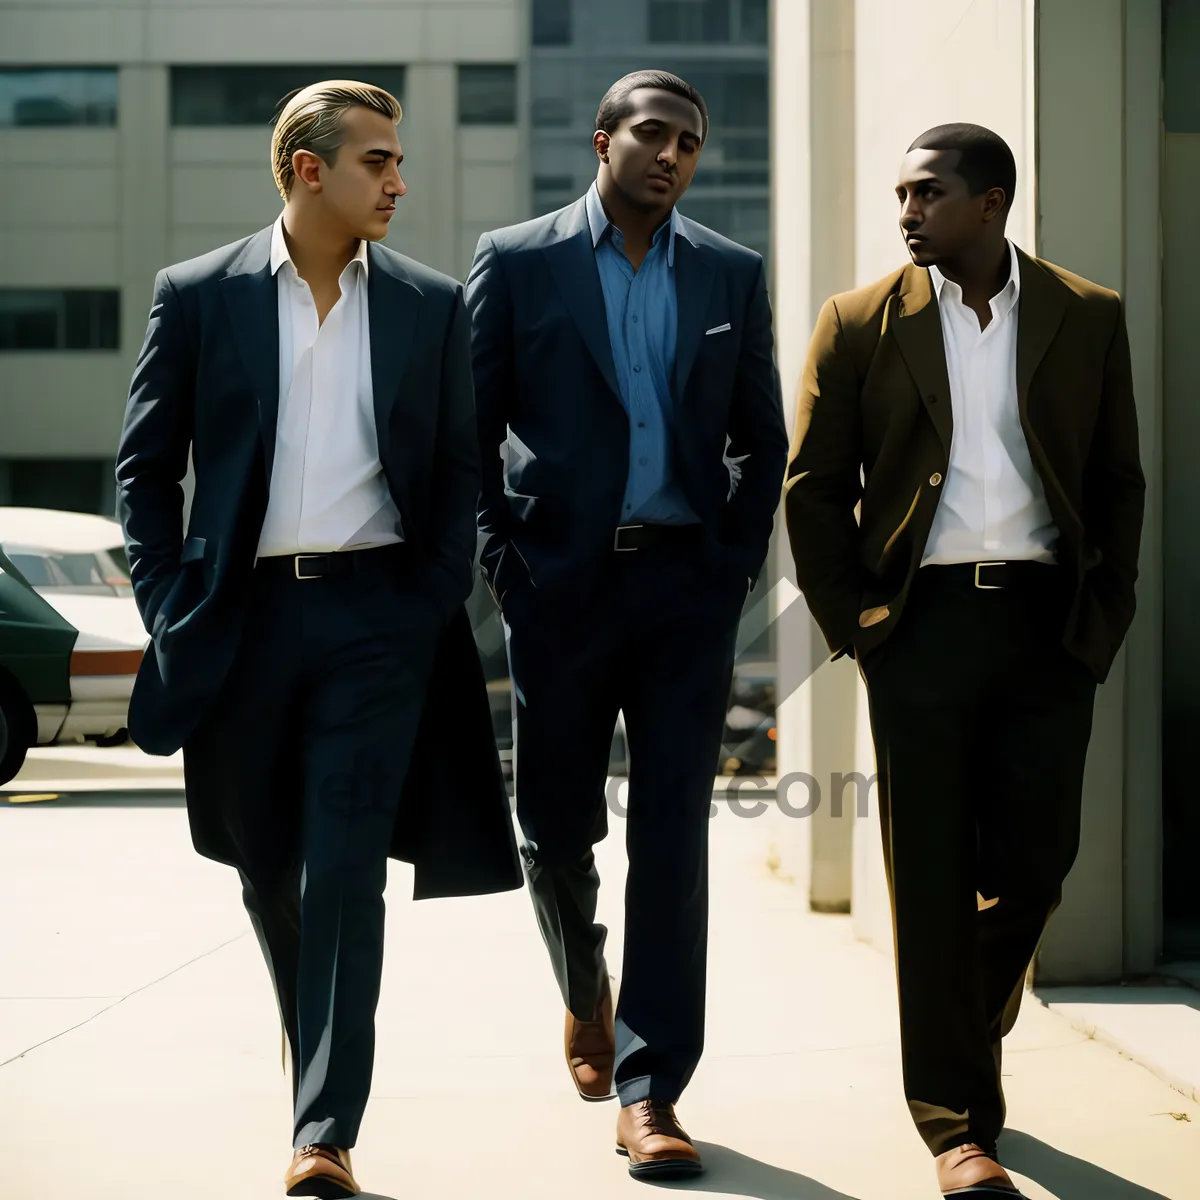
[641, 424]
[635, 320]
[637, 370]
[935, 479]
[643, 461]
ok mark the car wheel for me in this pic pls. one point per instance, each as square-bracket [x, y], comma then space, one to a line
[18, 728]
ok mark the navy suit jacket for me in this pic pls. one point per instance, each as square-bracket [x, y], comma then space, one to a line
[207, 383]
[555, 434]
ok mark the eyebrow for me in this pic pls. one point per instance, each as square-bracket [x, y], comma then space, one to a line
[684, 131]
[903, 185]
[385, 154]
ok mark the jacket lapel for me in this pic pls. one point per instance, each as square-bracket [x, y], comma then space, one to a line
[916, 325]
[393, 303]
[573, 265]
[252, 301]
[1043, 304]
[693, 287]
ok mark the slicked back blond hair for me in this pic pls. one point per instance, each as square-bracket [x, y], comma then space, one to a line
[313, 119]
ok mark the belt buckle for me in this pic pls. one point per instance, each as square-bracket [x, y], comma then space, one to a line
[296, 565]
[988, 587]
[617, 539]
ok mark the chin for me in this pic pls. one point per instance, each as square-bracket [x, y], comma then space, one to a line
[923, 256]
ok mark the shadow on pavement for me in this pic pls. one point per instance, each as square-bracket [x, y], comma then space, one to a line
[734, 1174]
[1067, 1177]
[113, 799]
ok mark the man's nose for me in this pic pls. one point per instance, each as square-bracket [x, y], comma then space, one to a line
[910, 215]
[396, 185]
[668, 156]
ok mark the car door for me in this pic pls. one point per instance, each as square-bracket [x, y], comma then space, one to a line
[35, 642]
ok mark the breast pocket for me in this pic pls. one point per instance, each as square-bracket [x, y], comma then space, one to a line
[717, 355]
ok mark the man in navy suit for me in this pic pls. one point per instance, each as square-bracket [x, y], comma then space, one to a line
[633, 456]
[310, 651]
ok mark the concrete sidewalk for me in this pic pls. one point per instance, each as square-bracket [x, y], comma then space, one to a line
[141, 1049]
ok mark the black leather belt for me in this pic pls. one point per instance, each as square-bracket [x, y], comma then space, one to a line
[646, 537]
[994, 576]
[332, 566]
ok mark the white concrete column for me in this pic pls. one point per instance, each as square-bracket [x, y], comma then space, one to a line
[813, 240]
[143, 157]
[1098, 180]
[427, 220]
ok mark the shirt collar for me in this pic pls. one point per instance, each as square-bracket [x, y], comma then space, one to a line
[1004, 299]
[281, 255]
[599, 224]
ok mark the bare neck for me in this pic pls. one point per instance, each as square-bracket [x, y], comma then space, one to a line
[981, 272]
[318, 254]
[636, 225]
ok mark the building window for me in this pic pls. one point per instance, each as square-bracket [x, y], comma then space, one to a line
[54, 319]
[689, 20]
[719, 21]
[551, 22]
[70, 96]
[555, 84]
[208, 96]
[71, 484]
[552, 192]
[487, 95]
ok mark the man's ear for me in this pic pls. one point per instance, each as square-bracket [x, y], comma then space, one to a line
[994, 204]
[307, 166]
[601, 142]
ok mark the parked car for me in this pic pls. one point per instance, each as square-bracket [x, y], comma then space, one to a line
[35, 669]
[749, 744]
[76, 563]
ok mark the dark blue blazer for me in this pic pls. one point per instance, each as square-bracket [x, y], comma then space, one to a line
[207, 383]
[554, 432]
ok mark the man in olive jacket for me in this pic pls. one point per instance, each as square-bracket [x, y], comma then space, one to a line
[978, 405]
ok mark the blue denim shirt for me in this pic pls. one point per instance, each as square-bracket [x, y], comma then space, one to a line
[642, 321]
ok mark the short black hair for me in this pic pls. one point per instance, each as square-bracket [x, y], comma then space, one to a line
[616, 105]
[985, 158]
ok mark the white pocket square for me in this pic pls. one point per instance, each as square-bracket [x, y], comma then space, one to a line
[719, 329]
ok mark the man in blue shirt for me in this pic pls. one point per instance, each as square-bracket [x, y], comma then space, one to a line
[633, 449]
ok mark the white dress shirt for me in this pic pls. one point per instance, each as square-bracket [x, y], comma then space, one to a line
[993, 506]
[328, 490]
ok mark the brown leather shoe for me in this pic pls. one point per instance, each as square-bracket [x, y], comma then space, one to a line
[322, 1171]
[650, 1136]
[970, 1171]
[591, 1048]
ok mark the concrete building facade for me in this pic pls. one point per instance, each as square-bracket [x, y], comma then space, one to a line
[1098, 102]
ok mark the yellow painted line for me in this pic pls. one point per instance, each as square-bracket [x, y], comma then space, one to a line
[33, 797]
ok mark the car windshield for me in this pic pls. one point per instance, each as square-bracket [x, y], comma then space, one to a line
[102, 573]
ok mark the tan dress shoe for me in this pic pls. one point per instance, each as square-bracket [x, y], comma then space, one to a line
[970, 1171]
[591, 1048]
[321, 1171]
[650, 1136]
